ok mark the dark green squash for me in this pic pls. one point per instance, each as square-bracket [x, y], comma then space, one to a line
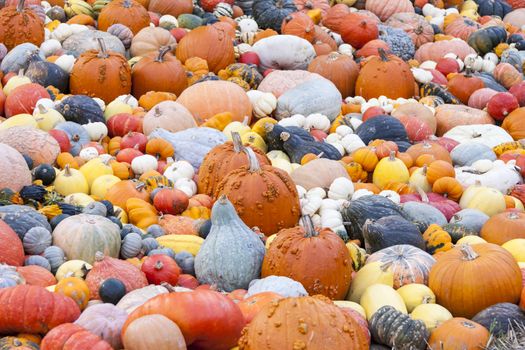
[493, 8]
[273, 135]
[47, 73]
[458, 231]
[433, 89]
[57, 220]
[112, 290]
[189, 21]
[382, 127]
[372, 207]
[391, 327]
[499, 318]
[296, 148]
[490, 82]
[33, 193]
[389, 231]
[486, 39]
[271, 13]
[22, 218]
[109, 207]
[69, 209]
[46, 173]
[423, 215]
[81, 109]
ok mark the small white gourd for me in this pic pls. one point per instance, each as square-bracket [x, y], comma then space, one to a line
[48, 47]
[96, 130]
[88, 153]
[341, 188]
[144, 163]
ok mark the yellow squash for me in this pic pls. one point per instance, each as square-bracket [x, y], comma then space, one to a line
[370, 274]
[178, 243]
[378, 295]
[390, 169]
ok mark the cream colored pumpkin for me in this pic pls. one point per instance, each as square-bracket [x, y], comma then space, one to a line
[153, 332]
[488, 200]
[501, 177]
[431, 314]
[351, 305]
[370, 274]
[415, 294]
[470, 240]
[79, 199]
[19, 120]
[117, 107]
[47, 118]
[168, 115]
[517, 248]
[378, 295]
[486, 134]
[72, 268]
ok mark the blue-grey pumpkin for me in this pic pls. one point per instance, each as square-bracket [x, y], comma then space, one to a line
[232, 254]
[131, 245]
[471, 219]
[9, 277]
[149, 244]
[95, 208]
[36, 240]
[37, 260]
[186, 262]
[166, 251]
[155, 231]
[423, 215]
[56, 257]
[465, 154]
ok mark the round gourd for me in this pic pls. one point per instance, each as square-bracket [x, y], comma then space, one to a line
[106, 320]
[459, 333]
[111, 291]
[431, 314]
[378, 295]
[516, 248]
[485, 199]
[36, 240]
[390, 169]
[102, 184]
[86, 40]
[168, 115]
[75, 288]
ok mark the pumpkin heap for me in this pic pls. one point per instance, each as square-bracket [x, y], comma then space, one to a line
[220, 174]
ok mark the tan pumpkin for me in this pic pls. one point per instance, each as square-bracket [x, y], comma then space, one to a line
[435, 50]
[448, 116]
[169, 115]
[507, 75]
[339, 69]
[416, 110]
[162, 334]
[127, 12]
[14, 173]
[206, 99]
[384, 9]
[461, 28]
[40, 146]
[417, 28]
[429, 147]
[151, 39]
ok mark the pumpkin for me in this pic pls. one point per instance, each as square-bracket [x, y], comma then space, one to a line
[298, 24]
[417, 28]
[371, 273]
[82, 236]
[507, 75]
[280, 81]
[406, 333]
[197, 326]
[432, 315]
[299, 54]
[20, 25]
[232, 99]
[459, 333]
[335, 329]
[23, 99]
[357, 30]
[390, 169]
[249, 252]
[170, 7]
[385, 10]
[486, 39]
[339, 69]
[169, 72]
[503, 227]
[40, 146]
[113, 78]
[415, 294]
[141, 213]
[486, 199]
[119, 193]
[104, 320]
[218, 54]
[449, 116]
[151, 39]
[220, 161]
[480, 98]
[164, 334]
[513, 123]
[334, 16]
[11, 246]
[379, 74]
[269, 14]
[75, 288]
[53, 310]
[152, 98]
[471, 295]
[74, 337]
[500, 318]
[280, 260]
[36, 275]
[437, 240]
[464, 85]
[433, 51]
[13, 169]
[461, 28]
[168, 115]
[448, 187]
[127, 12]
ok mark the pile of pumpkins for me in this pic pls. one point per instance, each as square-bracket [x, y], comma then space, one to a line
[262, 174]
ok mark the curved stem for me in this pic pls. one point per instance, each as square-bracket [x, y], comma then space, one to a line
[308, 225]
[422, 194]
[237, 142]
[162, 52]
[513, 216]
[254, 163]
[102, 46]
[42, 109]
[67, 171]
[468, 253]
[382, 54]
[20, 6]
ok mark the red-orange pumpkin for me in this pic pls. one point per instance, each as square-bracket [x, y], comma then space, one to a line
[339, 69]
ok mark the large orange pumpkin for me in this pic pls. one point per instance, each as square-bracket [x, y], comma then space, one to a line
[386, 75]
[119, 193]
[262, 195]
[206, 99]
[339, 69]
[503, 227]
[459, 334]
[210, 43]
[171, 7]
[468, 279]
[290, 255]
[514, 123]
[160, 71]
[127, 12]
[20, 25]
[102, 74]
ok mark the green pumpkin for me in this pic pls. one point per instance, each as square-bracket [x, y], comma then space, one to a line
[389, 231]
[189, 21]
[486, 39]
[271, 13]
[457, 231]
[232, 254]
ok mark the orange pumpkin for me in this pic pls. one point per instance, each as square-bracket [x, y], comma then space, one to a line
[152, 98]
[298, 24]
[127, 12]
[503, 227]
[119, 193]
[171, 7]
[428, 147]
[438, 169]
[177, 225]
[459, 333]
[19, 24]
[514, 123]
[252, 305]
[366, 157]
[448, 187]
[339, 69]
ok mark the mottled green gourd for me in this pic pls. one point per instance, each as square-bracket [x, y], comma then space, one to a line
[232, 254]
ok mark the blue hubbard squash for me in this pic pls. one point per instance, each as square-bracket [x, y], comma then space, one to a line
[232, 254]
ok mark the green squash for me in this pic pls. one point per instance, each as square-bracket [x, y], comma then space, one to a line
[232, 254]
[189, 21]
[296, 148]
[382, 127]
[22, 218]
[458, 231]
[486, 39]
[271, 13]
[81, 109]
[433, 89]
[390, 231]
[499, 318]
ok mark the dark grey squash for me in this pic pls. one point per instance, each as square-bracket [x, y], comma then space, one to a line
[391, 327]
[149, 244]
[423, 215]
[232, 254]
[23, 218]
[186, 262]
[271, 13]
[155, 231]
[389, 231]
[47, 73]
[38, 261]
[493, 8]
[513, 58]
[166, 251]
[499, 318]
[56, 13]
[373, 207]
[465, 154]
[382, 127]
[490, 82]
[470, 219]
[457, 231]
[81, 109]
[274, 131]
[131, 245]
[36, 240]
[56, 257]
[112, 290]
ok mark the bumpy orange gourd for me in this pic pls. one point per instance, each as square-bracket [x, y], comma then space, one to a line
[20, 25]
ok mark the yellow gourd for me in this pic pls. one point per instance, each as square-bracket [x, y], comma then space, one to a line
[419, 179]
[101, 185]
[116, 107]
[241, 128]
[75, 288]
[255, 140]
[260, 125]
[15, 82]
[47, 118]
[470, 240]
[351, 305]
[390, 169]
[79, 199]
[219, 121]
[487, 199]
[282, 164]
[179, 243]
[415, 294]
[269, 240]
[315, 15]
[95, 168]
[19, 120]
[70, 181]
[72, 268]
[431, 314]
[141, 213]
[378, 295]
[370, 274]
[517, 248]
[357, 254]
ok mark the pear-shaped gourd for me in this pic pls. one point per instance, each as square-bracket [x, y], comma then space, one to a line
[232, 254]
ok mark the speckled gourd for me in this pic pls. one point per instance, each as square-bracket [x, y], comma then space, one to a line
[232, 254]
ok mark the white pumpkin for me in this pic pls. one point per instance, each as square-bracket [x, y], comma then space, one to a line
[310, 205]
[187, 186]
[346, 49]
[50, 46]
[422, 76]
[352, 142]
[144, 163]
[96, 130]
[88, 153]
[62, 32]
[297, 55]
[317, 121]
[487, 134]
[168, 22]
[341, 188]
[392, 195]
[179, 170]
[264, 105]
[488, 200]
[247, 25]
[276, 154]
[501, 177]
[47, 118]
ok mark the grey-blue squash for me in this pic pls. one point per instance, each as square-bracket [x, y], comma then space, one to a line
[38, 261]
[471, 219]
[423, 215]
[9, 277]
[56, 257]
[465, 154]
[36, 240]
[131, 245]
[232, 254]
[18, 57]
[389, 231]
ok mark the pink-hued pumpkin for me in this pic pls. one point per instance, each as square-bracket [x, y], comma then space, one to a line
[280, 81]
[14, 173]
[449, 116]
[106, 321]
[168, 115]
[10, 246]
[518, 90]
[385, 9]
[462, 28]
[417, 28]
[436, 50]
[37, 144]
[481, 97]
[506, 75]
[23, 99]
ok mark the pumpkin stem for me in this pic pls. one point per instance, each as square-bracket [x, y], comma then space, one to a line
[223, 199]
[254, 163]
[162, 52]
[140, 186]
[245, 121]
[237, 143]
[332, 56]
[42, 109]
[20, 6]
[306, 222]
[126, 4]
[468, 253]
[392, 156]
[422, 194]
[284, 136]
[20, 72]
[159, 265]
[169, 287]
[99, 256]
[268, 127]
[67, 171]
[157, 112]
[513, 216]
[102, 46]
[382, 54]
